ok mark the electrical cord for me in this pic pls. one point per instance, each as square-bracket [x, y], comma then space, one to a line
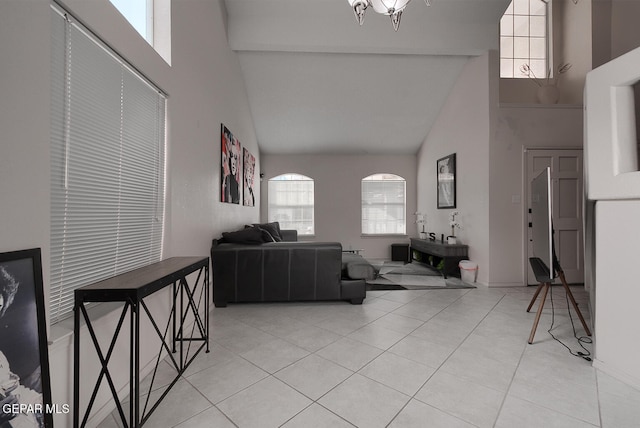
[586, 355]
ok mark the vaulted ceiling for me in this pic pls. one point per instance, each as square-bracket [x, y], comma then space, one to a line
[318, 82]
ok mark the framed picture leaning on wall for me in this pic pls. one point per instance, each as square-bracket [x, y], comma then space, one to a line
[25, 388]
[446, 179]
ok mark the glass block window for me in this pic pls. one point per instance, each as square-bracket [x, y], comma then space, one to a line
[523, 38]
[291, 202]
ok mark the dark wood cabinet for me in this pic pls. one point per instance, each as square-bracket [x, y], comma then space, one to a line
[432, 252]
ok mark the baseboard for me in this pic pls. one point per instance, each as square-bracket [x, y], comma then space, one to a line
[617, 374]
[478, 284]
[505, 284]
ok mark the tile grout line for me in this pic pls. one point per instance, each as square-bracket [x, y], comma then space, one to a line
[371, 318]
[513, 376]
[353, 373]
[413, 397]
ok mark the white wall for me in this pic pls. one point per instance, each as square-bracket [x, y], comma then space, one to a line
[617, 292]
[490, 149]
[24, 120]
[205, 89]
[613, 185]
[338, 195]
[463, 128]
[600, 32]
[518, 128]
[625, 32]
[615, 30]
[573, 47]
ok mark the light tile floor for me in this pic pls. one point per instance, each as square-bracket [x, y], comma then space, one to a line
[405, 358]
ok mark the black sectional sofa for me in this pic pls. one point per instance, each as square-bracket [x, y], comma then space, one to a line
[246, 270]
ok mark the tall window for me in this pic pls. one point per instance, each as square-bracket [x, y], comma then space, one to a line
[139, 13]
[383, 205]
[523, 39]
[107, 164]
[291, 202]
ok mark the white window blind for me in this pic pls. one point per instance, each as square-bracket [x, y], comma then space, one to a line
[383, 205]
[107, 165]
[291, 202]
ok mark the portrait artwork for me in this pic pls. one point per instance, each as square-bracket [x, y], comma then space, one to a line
[249, 163]
[231, 168]
[25, 390]
[446, 179]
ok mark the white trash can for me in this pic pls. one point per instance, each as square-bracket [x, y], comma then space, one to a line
[468, 271]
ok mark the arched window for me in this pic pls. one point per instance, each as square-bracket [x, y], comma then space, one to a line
[383, 205]
[291, 202]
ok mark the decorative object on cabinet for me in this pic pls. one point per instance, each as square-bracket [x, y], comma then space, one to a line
[421, 221]
[451, 239]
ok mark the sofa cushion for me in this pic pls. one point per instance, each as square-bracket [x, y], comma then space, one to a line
[355, 266]
[289, 235]
[249, 235]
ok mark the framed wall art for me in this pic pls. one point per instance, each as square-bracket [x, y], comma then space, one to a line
[231, 168]
[249, 165]
[446, 179]
[25, 386]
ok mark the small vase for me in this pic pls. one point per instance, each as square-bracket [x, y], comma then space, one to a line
[423, 235]
[451, 240]
[548, 94]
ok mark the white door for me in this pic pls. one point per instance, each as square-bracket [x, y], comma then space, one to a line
[566, 211]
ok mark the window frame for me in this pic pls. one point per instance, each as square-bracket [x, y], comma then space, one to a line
[540, 66]
[365, 205]
[273, 205]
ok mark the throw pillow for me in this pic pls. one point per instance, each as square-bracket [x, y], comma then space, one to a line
[266, 236]
[273, 229]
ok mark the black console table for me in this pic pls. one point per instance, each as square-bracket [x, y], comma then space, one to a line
[131, 288]
[451, 254]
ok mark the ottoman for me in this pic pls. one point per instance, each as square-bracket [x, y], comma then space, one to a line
[354, 266]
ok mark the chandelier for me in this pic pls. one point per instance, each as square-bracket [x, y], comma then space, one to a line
[391, 8]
